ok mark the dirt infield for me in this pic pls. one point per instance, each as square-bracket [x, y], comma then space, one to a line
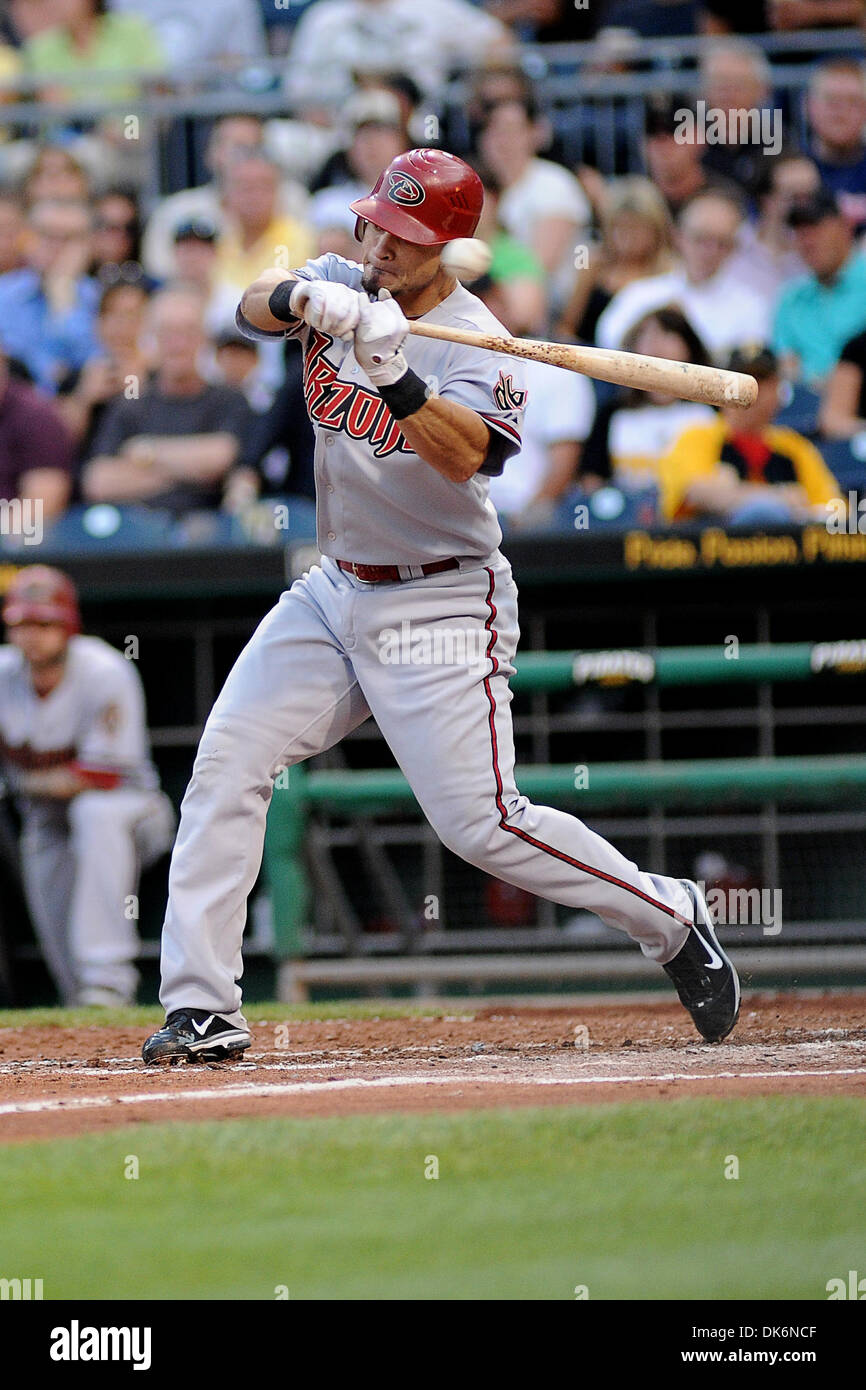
[57, 1081]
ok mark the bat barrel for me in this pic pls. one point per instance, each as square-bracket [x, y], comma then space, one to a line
[684, 380]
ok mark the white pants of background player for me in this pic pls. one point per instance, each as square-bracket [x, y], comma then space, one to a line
[80, 864]
[313, 671]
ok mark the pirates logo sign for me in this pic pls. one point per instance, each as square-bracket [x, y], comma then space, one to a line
[404, 190]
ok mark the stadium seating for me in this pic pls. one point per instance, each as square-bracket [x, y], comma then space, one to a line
[610, 508]
[846, 460]
[104, 527]
[799, 409]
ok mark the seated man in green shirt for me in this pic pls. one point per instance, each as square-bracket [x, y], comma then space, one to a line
[88, 39]
[818, 313]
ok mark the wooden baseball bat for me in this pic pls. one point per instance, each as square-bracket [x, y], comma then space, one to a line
[685, 380]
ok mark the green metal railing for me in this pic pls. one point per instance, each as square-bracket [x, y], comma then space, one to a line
[803, 781]
[552, 671]
[729, 781]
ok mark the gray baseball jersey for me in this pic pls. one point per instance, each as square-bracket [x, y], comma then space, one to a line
[377, 501]
[94, 717]
[81, 859]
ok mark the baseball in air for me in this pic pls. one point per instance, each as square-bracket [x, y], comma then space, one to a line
[467, 257]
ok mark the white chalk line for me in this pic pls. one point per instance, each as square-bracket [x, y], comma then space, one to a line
[252, 1090]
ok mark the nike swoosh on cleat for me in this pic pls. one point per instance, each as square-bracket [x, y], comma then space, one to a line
[716, 962]
[201, 1028]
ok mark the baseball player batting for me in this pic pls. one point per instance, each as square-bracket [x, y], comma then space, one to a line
[409, 431]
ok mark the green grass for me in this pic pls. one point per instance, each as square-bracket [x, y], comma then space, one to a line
[142, 1014]
[630, 1200]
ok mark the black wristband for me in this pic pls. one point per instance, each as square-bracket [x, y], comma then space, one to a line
[278, 301]
[406, 396]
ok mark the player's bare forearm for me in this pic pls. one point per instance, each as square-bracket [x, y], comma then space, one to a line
[254, 300]
[449, 436]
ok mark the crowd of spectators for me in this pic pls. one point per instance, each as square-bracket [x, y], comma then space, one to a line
[123, 379]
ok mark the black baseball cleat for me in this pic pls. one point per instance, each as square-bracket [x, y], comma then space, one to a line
[706, 981]
[194, 1035]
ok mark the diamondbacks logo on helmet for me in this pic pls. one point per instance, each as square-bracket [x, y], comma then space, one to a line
[506, 395]
[404, 190]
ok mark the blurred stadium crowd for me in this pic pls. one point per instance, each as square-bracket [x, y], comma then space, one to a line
[126, 391]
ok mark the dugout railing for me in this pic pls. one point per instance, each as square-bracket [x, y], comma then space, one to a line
[191, 611]
[321, 815]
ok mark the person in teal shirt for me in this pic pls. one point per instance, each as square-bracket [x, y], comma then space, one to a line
[89, 40]
[819, 313]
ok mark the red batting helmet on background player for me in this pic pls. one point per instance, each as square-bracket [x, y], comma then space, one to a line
[39, 594]
[424, 196]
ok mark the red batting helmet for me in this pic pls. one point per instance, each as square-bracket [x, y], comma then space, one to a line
[39, 594]
[424, 196]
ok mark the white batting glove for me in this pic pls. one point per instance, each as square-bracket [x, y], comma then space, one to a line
[327, 306]
[381, 332]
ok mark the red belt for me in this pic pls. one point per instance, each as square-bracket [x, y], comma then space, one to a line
[384, 574]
